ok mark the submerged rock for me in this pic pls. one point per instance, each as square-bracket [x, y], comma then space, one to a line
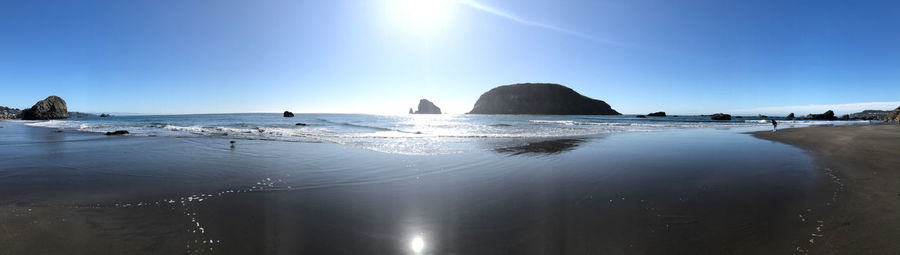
[539, 98]
[657, 114]
[829, 115]
[720, 116]
[427, 107]
[50, 108]
[300, 124]
[288, 114]
[118, 132]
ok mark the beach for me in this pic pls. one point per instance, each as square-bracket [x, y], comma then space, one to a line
[703, 190]
[864, 163]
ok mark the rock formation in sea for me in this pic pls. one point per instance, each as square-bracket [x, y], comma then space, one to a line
[539, 98]
[657, 114]
[118, 132]
[790, 116]
[829, 115]
[844, 117]
[288, 114]
[104, 115]
[426, 107]
[50, 108]
[640, 116]
[720, 116]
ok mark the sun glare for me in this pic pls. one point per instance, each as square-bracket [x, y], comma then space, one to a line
[420, 15]
[417, 244]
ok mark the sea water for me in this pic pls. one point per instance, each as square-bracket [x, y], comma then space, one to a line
[405, 134]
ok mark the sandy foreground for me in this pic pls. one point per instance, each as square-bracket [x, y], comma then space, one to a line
[864, 164]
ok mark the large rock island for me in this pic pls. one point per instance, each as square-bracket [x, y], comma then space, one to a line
[50, 108]
[539, 98]
[426, 107]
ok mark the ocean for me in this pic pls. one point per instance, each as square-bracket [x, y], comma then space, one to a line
[406, 134]
[377, 184]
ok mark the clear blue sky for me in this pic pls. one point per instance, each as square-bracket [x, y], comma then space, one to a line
[381, 56]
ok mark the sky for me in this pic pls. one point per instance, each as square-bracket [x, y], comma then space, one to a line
[382, 56]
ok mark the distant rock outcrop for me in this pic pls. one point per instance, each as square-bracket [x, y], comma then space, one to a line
[82, 115]
[539, 98]
[657, 114]
[720, 116]
[790, 116]
[426, 107]
[844, 117]
[829, 115]
[9, 113]
[104, 115]
[288, 114]
[640, 116]
[50, 108]
[870, 115]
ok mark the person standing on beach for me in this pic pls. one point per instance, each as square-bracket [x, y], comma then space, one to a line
[774, 125]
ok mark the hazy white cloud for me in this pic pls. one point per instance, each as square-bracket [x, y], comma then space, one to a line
[820, 108]
[512, 17]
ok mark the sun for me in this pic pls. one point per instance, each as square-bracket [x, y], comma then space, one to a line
[420, 15]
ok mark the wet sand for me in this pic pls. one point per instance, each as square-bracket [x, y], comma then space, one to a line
[688, 192]
[865, 163]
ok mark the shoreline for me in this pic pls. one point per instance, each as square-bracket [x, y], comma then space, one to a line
[862, 162]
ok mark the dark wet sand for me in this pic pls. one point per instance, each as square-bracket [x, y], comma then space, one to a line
[865, 161]
[689, 192]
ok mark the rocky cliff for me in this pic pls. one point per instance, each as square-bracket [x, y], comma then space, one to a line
[539, 98]
[894, 115]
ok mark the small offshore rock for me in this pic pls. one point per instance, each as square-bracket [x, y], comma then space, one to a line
[288, 114]
[118, 132]
[720, 116]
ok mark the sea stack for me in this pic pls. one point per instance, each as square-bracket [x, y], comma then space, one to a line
[288, 114]
[720, 116]
[539, 98]
[829, 115]
[657, 114]
[50, 108]
[790, 116]
[426, 107]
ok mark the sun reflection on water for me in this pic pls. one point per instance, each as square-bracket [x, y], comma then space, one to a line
[417, 245]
